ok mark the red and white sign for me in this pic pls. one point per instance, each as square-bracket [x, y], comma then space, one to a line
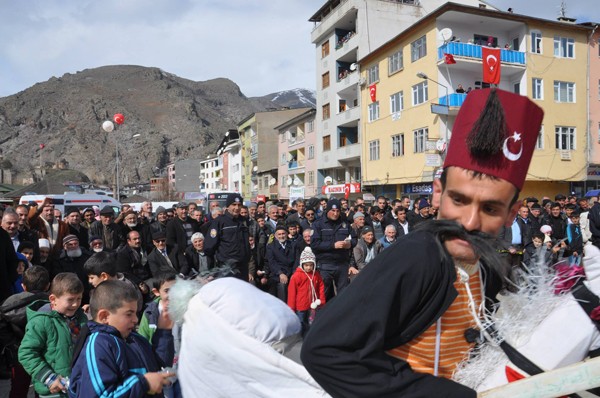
[491, 65]
[261, 198]
[346, 189]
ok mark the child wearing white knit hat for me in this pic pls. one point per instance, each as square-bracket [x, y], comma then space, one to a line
[306, 291]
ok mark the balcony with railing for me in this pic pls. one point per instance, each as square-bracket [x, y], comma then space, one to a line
[455, 99]
[473, 51]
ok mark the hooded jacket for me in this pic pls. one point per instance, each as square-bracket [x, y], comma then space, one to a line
[300, 291]
[47, 346]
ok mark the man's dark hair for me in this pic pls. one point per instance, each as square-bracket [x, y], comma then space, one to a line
[570, 206]
[260, 203]
[381, 197]
[161, 279]
[292, 223]
[111, 295]
[480, 175]
[554, 204]
[36, 279]
[25, 245]
[400, 209]
[395, 202]
[99, 263]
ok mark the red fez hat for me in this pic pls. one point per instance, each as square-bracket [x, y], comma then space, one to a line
[495, 134]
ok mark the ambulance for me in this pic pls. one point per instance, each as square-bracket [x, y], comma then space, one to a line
[73, 199]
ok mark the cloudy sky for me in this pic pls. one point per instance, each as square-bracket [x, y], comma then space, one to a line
[262, 45]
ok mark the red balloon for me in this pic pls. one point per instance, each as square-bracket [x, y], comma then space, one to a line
[119, 118]
[42, 146]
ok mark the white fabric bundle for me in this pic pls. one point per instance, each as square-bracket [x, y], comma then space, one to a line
[228, 333]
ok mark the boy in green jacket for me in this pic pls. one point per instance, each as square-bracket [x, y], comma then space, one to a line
[52, 328]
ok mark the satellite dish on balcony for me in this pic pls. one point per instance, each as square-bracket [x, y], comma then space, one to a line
[272, 182]
[297, 181]
[328, 180]
[289, 181]
[353, 66]
[255, 168]
[446, 35]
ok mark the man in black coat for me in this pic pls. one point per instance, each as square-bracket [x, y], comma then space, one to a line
[107, 229]
[8, 265]
[370, 342]
[281, 260]
[163, 259]
[227, 239]
[180, 230]
[132, 259]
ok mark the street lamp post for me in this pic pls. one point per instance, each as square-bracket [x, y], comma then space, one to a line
[447, 105]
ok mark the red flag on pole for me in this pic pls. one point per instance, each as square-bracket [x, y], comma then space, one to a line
[491, 65]
[373, 92]
[449, 59]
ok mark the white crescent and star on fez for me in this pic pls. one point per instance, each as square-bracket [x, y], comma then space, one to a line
[516, 138]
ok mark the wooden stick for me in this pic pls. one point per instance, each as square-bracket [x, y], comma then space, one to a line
[570, 379]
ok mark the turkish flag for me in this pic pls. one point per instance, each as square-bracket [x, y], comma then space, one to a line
[449, 59]
[491, 65]
[346, 191]
[373, 92]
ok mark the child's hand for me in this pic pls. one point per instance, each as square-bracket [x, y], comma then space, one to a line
[57, 386]
[157, 380]
[164, 320]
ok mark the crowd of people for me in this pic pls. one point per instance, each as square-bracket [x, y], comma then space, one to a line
[304, 252]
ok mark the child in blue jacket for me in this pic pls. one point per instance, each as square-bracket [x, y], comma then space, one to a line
[115, 361]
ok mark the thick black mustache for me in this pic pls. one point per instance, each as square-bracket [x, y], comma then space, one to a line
[483, 244]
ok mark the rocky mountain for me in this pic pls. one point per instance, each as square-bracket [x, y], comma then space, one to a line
[167, 118]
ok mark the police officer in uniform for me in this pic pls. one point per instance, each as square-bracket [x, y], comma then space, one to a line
[227, 239]
[332, 242]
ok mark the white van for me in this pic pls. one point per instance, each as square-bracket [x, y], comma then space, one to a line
[73, 199]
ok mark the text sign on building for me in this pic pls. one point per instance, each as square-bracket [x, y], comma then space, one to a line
[419, 188]
[353, 187]
[433, 160]
[593, 173]
[296, 193]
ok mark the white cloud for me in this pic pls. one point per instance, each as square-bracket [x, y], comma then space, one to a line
[262, 45]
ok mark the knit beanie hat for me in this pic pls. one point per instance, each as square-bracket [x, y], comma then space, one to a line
[307, 256]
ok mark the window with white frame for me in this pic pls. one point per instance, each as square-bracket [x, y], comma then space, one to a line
[537, 87]
[374, 150]
[395, 62]
[420, 140]
[539, 144]
[397, 102]
[564, 47]
[419, 93]
[374, 111]
[310, 126]
[398, 145]
[536, 41]
[311, 178]
[565, 138]
[311, 151]
[373, 74]
[418, 48]
[564, 91]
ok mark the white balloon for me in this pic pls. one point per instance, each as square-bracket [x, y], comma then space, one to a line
[318, 302]
[108, 126]
[313, 305]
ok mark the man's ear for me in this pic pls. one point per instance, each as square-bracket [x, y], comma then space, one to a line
[437, 193]
[512, 213]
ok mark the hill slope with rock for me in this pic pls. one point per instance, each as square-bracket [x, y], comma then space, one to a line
[175, 118]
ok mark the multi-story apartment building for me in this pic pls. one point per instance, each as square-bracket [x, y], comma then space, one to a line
[230, 158]
[346, 31]
[259, 150]
[593, 171]
[297, 160]
[410, 102]
[211, 170]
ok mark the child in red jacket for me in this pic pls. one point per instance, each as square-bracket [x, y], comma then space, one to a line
[306, 290]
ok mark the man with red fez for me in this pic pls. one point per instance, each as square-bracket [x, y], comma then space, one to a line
[407, 320]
